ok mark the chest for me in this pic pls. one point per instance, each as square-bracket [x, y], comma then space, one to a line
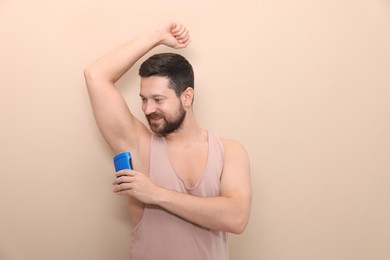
[189, 161]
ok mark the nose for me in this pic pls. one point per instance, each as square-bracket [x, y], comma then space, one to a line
[148, 108]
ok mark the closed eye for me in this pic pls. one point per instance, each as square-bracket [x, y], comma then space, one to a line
[157, 99]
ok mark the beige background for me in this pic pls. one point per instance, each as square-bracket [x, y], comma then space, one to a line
[304, 85]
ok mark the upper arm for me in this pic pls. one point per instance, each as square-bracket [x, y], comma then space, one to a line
[235, 180]
[121, 130]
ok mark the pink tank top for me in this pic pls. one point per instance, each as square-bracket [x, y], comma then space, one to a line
[163, 235]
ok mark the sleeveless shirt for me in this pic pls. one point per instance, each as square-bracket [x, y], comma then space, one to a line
[163, 235]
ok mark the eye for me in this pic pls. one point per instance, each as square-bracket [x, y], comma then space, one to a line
[158, 100]
[143, 100]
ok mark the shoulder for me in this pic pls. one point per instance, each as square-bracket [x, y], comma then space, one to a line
[231, 144]
[233, 149]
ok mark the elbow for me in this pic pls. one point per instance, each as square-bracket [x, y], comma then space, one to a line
[239, 226]
[239, 218]
[237, 223]
[95, 75]
[89, 74]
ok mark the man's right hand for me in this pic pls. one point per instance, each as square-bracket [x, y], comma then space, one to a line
[174, 35]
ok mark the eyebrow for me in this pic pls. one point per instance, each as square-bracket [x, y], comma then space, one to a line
[153, 96]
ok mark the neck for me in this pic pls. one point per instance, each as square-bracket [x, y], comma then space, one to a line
[189, 131]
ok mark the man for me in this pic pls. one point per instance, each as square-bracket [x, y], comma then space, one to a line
[188, 187]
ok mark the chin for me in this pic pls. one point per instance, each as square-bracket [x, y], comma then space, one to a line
[157, 132]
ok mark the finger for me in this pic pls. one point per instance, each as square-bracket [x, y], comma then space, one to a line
[173, 24]
[184, 44]
[122, 187]
[184, 39]
[180, 33]
[179, 30]
[124, 173]
[183, 35]
[123, 193]
[122, 179]
[176, 28]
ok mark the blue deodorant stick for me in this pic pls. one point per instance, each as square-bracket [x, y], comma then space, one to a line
[122, 161]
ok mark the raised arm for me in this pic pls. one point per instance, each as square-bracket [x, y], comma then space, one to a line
[119, 127]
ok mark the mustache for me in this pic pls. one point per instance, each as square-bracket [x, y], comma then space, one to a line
[154, 115]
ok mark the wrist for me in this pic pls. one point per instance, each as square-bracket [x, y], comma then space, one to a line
[161, 196]
[155, 38]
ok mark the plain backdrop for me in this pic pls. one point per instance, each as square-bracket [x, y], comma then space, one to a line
[304, 85]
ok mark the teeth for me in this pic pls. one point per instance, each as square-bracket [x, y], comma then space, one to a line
[155, 117]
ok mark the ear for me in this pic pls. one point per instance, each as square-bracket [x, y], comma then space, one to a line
[187, 97]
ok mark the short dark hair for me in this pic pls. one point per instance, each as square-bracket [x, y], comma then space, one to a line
[171, 65]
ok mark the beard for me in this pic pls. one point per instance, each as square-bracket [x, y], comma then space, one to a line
[169, 124]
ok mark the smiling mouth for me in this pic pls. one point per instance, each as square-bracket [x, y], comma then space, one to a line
[155, 119]
[154, 116]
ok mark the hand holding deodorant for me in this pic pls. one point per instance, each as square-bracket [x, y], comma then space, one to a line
[122, 161]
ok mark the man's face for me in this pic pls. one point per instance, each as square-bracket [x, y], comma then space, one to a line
[163, 109]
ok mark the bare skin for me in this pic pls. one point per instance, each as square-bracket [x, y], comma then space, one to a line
[123, 132]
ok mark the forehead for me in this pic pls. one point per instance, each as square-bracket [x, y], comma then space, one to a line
[155, 85]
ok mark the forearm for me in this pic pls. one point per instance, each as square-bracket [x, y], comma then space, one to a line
[219, 213]
[115, 64]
